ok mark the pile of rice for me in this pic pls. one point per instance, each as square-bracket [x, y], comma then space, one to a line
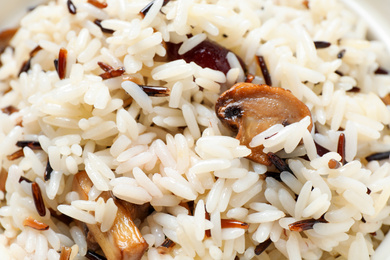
[170, 150]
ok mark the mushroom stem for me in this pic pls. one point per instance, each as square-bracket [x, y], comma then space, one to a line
[123, 240]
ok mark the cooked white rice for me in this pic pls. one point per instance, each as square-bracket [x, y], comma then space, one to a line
[171, 150]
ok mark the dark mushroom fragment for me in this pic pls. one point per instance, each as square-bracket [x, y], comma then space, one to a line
[206, 54]
[250, 109]
[123, 240]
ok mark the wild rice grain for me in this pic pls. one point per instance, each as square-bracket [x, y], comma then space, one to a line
[260, 248]
[341, 54]
[22, 178]
[341, 148]
[381, 71]
[305, 224]
[279, 163]
[48, 171]
[232, 223]
[25, 67]
[16, 155]
[264, 70]
[155, 91]
[321, 44]
[378, 156]
[35, 224]
[71, 7]
[38, 199]
[61, 63]
[249, 78]
[105, 66]
[34, 145]
[105, 30]
[146, 9]
[333, 164]
[97, 4]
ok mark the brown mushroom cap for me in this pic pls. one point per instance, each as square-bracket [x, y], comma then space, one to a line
[250, 109]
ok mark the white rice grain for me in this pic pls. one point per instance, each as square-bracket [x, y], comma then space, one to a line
[77, 214]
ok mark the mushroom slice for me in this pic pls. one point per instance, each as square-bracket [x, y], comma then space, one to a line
[123, 240]
[250, 109]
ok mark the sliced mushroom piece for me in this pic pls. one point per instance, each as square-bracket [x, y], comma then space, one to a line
[250, 109]
[123, 240]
